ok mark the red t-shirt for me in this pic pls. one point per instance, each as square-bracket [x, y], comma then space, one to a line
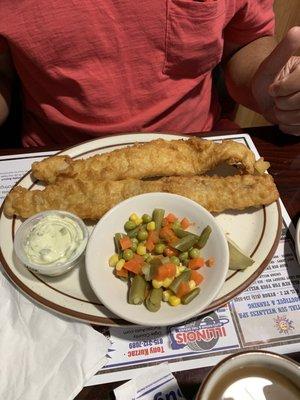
[91, 67]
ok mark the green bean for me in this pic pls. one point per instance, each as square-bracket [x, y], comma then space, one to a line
[186, 262]
[183, 277]
[183, 256]
[137, 290]
[146, 269]
[204, 237]
[157, 216]
[182, 233]
[165, 260]
[154, 264]
[186, 242]
[117, 238]
[187, 298]
[153, 301]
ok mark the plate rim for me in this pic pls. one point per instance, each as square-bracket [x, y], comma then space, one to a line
[115, 320]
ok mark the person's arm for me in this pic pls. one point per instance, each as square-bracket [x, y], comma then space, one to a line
[243, 65]
[265, 77]
[6, 80]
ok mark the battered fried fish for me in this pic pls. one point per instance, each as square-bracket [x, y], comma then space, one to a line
[152, 159]
[90, 199]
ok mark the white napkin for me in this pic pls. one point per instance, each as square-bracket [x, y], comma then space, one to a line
[155, 382]
[44, 356]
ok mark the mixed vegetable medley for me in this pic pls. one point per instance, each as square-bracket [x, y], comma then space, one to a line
[160, 258]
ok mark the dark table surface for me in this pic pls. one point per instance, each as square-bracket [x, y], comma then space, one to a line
[283, 152]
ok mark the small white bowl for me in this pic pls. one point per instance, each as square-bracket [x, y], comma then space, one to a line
[50, 269]
[113, 292]
[240, 364]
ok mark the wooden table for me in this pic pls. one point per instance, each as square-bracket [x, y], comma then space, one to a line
[283, 152]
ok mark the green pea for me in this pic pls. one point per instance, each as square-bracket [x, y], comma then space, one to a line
[129, 226]
[159, 248]
[194, 253]
[183, 256]
[142, 235]
[176, 225]
[134, 247]
[175, 260]
[146, 257]
[146, 218]
[127, 254]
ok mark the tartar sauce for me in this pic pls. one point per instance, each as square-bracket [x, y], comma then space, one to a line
[54, 240]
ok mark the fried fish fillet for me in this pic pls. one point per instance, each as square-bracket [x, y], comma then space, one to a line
[90, 199]
[157, 158]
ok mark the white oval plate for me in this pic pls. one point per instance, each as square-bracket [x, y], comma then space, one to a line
[256, 231]
[113, 292]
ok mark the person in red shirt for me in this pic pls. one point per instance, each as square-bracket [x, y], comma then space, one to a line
[89, 68]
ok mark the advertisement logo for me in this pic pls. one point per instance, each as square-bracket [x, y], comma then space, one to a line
[283, 324]
[199, 334]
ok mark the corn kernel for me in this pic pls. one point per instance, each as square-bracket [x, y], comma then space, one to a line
[120, 264]
[139, 221]
[192, 284]
[113, 260]
[151, 226]
[182, 268]
[166, 295]
[177, 271]
[157, 284]
[174, 300]
[133, 217]
[141, 250]
[167, 282]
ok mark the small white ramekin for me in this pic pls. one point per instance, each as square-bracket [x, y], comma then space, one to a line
[54, 269]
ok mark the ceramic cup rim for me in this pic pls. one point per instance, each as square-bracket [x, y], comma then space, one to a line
[269, 354]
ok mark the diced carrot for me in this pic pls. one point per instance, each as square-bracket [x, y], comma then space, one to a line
[138, 258]
[185, 223]
[122, 273]
[125, 243]
[149, 245]
[196, 277]
[196, 263]
[165, 271]
[165, 232]
[210, 262]
[171, 218]
[153, 236]
[168, 235]
[170, 252]
[135, 264]
[164, 222]
[183, 289]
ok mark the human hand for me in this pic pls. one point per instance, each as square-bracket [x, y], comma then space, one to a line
[276, 84]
